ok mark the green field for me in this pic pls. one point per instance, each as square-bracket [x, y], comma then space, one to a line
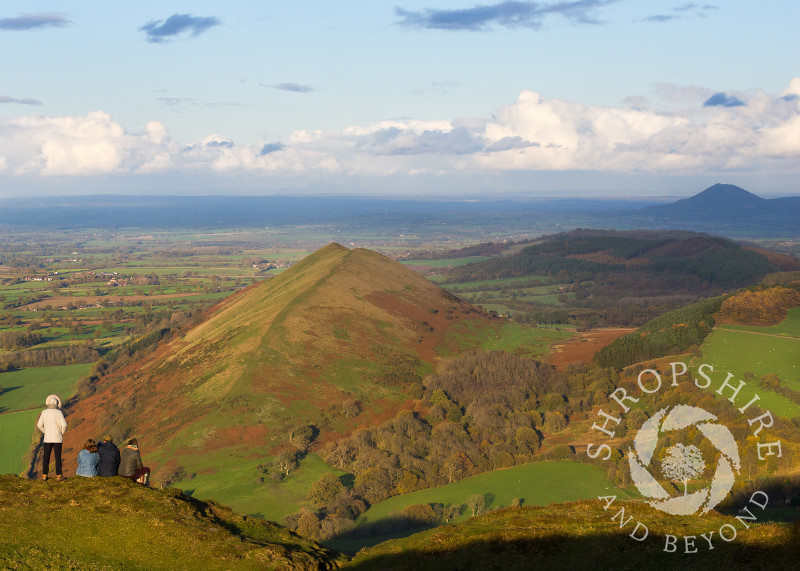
[446, 263]
[28, 389]
[539, 483]
[789, 327]
[498, 282]
[508, 336]
[741, 351]
[16, 434]
[238, 486]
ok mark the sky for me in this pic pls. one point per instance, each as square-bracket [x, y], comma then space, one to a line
[438, 98]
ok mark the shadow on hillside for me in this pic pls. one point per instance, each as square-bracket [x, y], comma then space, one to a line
[401, 524]
[613, 551]
[5, 390]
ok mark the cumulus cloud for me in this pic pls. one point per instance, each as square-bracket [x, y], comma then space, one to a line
[532, 133]
[160, 31]
[19, 101]
[511, 14]
[34, 22]
[89, 145]
[723, 100]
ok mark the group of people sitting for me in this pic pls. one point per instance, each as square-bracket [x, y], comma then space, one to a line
[103, 459]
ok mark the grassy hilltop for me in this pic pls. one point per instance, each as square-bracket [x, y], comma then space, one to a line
[113, 523]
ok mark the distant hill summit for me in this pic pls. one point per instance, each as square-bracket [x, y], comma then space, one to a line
[341, 327]
[726, 205]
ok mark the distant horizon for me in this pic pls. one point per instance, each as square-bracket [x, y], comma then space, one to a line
[424, 197]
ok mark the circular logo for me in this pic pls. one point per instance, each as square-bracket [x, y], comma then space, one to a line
[682, 463]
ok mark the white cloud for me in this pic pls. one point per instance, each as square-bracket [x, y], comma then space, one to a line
[90, 145]
[532, 133]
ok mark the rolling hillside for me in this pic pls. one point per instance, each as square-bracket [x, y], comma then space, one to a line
[333, 342]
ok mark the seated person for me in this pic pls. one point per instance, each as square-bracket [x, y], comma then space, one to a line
[130, 464]
[87, 460]
[109, 457]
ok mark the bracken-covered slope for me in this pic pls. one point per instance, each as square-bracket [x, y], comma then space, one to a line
[113, 523]
[340, 326]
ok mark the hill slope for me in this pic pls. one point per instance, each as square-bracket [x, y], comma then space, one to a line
[726, 205]
[583, 536]
[113, 523]
[338, 327]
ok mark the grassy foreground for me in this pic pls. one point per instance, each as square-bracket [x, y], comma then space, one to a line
[582, 535]
[113, 523]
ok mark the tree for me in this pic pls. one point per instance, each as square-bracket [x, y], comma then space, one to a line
[308, 524]
[287, 461]
[452, 512]
[350, 409]
[421, 514]
[527, 440]
[683, 463]
[301, 437]
[476, 503]
[324, 490]
[374, 484]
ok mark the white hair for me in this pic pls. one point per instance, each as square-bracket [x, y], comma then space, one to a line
[53, 400]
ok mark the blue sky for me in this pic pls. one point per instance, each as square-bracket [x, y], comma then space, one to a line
[439, 97]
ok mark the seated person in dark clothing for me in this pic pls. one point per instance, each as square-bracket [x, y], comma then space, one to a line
[130, 464]
[109, 457]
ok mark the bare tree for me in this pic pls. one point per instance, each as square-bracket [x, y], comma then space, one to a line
[683, 463]
[476, 503]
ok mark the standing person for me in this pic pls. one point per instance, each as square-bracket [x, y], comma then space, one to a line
[53, 424]
[109, 457]
[87, 460]
[130, 464]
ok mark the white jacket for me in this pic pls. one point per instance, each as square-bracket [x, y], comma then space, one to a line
[53, 424]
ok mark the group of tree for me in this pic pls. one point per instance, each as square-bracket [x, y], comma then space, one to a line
[484, 410]
[772, 382]
[672, 333]
[760, 305]
[49, 356]
[16, 340]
